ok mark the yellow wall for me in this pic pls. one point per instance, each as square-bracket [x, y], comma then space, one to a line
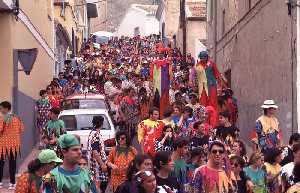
[68, 21]
[39, 12]
[6, 70]
[15, 35]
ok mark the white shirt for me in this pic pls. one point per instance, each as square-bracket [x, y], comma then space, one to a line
[287, 171]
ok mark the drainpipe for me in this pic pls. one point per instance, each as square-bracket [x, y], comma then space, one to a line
[298, 65]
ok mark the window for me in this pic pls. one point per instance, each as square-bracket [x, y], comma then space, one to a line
[82, 122]
[84, 104]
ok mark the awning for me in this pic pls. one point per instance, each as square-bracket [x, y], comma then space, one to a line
[92, 11]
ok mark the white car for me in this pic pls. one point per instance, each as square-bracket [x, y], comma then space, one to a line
[79, 122]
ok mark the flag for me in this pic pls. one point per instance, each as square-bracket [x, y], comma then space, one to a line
[161, 82]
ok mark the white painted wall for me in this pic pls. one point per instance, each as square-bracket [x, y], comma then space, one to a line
[135, 18]
[152, 26]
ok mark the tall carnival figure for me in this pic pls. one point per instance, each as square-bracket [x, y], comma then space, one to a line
[208, 77]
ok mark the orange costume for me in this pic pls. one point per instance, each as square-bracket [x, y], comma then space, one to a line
[11, 128]
[122, 160]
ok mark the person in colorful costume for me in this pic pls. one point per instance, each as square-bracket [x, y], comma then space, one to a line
[96, 154]
[11, 129]
[43, 107]
[69, 177]
[256, 174]
[32, 181]
[119, 159]
[149, 131]
[208, 77]
[53, 129]
[212, 177]
[129, 112]
[267, 133]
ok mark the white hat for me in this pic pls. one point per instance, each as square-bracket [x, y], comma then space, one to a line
[269, 104]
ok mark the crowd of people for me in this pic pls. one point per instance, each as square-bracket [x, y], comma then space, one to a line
[190, 143]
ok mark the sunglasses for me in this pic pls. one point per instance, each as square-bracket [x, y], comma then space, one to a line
[122, 138]
[215, 151]
[235, 164]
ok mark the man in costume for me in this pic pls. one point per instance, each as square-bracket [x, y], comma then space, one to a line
[207, 77]
[213, 177]
[149, 130]
[11, 128]
[53, 129]
[267, 132]
[69, 177]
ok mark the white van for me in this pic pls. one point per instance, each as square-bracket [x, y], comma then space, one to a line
[79, 122]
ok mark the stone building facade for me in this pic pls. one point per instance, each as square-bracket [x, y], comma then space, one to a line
[254, 41]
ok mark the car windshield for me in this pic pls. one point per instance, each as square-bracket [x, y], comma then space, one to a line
[82, 122]
[84, 104]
